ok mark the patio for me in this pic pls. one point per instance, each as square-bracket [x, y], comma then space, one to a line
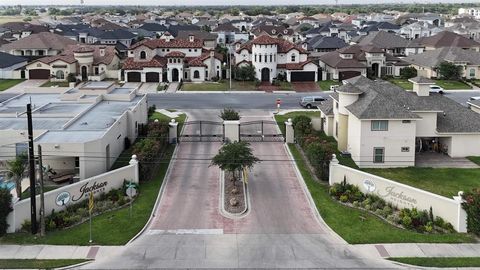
[438, 160]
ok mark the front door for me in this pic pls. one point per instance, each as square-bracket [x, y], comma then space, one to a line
[175, 75]
[84, 73]
[265, 75]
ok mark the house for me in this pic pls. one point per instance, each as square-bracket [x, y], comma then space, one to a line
[171, 60]
[387, 41]
[36, 45]
[358, 60]
[474, 12]
[19, 30]
[83, 130]
[426, 62]
[228, 34]
[322, 44]
[12, 66]
[381, 125]
[86, 62]
[447, 39]
[209, 39]
[469, 30]
[419, 29]
[273, 56]
[275, 32]
[156, 28]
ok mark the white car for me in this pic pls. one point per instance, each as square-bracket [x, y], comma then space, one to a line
[475, 98]
[436, 89]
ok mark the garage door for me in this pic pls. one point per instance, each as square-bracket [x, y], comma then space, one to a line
[302, 76]
[133, 77]
[152, 77]
[348, 74]
[38, 74]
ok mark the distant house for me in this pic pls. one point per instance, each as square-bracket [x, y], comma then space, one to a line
[228, 34]
[35, 45]
[11, 66]
[321, 44]
[426, 62]
[19, 30]
[274, 56]
[419, 29]
[275, 32]
[389, 42]
[209, 39]
[356, 60]
[447, 39]
[86, 62]
[156, 28]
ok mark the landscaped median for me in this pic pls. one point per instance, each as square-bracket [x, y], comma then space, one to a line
[223, 85]
[441, 262]
[38, 264]
[356, 225]
[115, 227]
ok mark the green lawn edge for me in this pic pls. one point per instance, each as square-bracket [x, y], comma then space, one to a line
[439, 261]
[8, 83]
[38, 264]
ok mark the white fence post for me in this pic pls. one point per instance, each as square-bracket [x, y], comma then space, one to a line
[232, 130]
[289, 132]
[461, 225]
[134, 161]
[173, 131]
[332, 165]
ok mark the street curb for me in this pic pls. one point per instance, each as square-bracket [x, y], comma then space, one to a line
[310, 198]
[246, 195]
[74, 265]
[220, 92]
[283, 112]
[160, 193]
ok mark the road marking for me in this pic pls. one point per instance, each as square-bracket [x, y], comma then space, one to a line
[186, 231]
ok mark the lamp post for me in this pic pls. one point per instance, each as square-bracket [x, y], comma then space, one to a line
[230, 66]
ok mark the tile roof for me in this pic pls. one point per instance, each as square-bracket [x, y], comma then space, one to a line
[68, 54]
[174, 43]
[447, 39]
[433, 58]
[175, 54]
[326, 107]
[8, 60]
[156, 61]
[44, 40]
[323, 42]
[283, 45]
[384, 40]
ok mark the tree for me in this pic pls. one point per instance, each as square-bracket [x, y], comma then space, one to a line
[5, 209]
[234, 158]
[245, 73]
[449, 71]
[16, 169]
[229, 114]
[408, 72]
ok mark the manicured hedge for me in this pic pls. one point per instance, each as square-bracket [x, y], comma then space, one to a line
[5, 209]
[472, 207]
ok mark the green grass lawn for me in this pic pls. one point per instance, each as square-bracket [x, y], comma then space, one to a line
[281, 119]
[452, 85]
[443, 181]
[440, 261]
[325, 85]
[223, 85]
[110, 228]
[360, 227]
[285, 86]
[52, 84]
[37, 264]
[474, 159]
[7, 83]
[404, 83]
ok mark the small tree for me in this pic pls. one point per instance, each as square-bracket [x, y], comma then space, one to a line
[234, 158]
[16, 169]
[449, 71]
[471, 205]
[245, 73]
[408, 72]
[229, 114]
[5, 209]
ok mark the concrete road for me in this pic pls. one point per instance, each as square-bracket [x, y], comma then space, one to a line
[462, 96]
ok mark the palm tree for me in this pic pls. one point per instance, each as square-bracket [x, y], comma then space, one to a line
[235, 157]
[16, 169]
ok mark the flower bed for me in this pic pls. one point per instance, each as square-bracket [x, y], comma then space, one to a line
[78, 213]
[233, 195]
[411, 219]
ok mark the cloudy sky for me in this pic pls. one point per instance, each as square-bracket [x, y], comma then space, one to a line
[217, 2]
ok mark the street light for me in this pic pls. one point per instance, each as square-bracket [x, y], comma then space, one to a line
[230, 65]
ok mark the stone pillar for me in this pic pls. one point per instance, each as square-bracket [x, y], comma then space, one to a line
[461, 224]
[173, 132]
[231, 130]
[334, 162]
[134, 162]
[289, 132]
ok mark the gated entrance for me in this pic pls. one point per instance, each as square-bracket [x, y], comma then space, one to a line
[260, 131]
[202, 131]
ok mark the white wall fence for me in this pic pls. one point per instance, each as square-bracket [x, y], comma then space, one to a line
[60, 198]
[403, 196]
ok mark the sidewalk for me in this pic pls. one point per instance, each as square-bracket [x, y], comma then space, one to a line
[420, 250]
[172, 87]
[57, 252]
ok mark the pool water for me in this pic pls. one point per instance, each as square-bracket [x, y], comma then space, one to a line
[7, 185]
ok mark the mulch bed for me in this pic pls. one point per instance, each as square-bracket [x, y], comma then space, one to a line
[228, 195]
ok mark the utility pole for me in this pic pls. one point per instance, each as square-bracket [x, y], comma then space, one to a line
[42, 197]
[230, 64]
[31, 161]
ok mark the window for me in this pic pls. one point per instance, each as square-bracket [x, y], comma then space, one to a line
[255, 55]
[472, 73]
[271, 58]
[336, 104]
[406, 121]
[143, 55]
[378, 155]
[336, 129]
[60, 75]
[405, 149]
[293, 57]
[379, 125]
[196, 74]
[259, 58]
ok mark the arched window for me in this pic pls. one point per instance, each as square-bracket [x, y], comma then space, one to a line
[255, 57]
[293, 57]
[196, 74]
[271, 58]
[143, 55]
[60, 75]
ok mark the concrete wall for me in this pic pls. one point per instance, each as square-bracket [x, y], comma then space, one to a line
[427, 126]
[113, 180]
[401, 195]
[463, 145]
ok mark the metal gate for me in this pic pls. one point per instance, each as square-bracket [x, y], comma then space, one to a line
[260, 131]
[202, 131]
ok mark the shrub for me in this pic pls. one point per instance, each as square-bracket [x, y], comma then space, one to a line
[302, 127]
[407, 222]
[151, 110]
[319, 155]
[5, 209]
[408, 72]
[472, 207]
[343, 198]
[229, 114]
[449, 71]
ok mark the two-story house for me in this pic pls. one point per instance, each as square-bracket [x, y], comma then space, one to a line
[171, 60]
[382, 125]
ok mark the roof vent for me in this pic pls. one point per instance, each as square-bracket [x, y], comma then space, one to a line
[444, 114]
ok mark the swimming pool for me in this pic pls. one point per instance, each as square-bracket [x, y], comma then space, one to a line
[6, 184]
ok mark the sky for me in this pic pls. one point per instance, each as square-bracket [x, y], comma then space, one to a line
[220, 2]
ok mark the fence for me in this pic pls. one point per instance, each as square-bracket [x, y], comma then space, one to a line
[403, 196]
[60, 198]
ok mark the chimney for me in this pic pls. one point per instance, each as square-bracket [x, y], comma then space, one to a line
[421, 86]
[102, 51]
[191, 38]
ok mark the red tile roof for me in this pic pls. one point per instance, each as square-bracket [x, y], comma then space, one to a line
[157, 61]
[283, 45]
[174, 43]
[175, 54]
